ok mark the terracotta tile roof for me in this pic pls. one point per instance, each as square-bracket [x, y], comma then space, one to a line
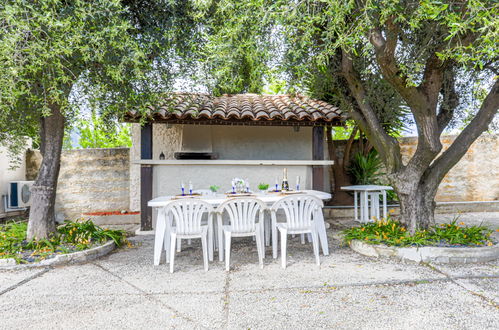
[244, 108]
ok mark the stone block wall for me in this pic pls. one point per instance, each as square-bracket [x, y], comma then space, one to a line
[474, 178]
[92, 180]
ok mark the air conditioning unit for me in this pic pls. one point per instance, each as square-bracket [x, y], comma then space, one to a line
[19, 194]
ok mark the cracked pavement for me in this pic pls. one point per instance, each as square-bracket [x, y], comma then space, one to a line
[348, 291]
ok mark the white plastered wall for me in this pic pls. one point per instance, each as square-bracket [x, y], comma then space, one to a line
[6, 174]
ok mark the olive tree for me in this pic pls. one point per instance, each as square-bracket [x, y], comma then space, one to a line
[436, 57]
[58, 55]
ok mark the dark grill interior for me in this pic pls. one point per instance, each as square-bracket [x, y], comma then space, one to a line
[196, 155]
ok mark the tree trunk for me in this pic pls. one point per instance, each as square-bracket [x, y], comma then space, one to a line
[417, 202]
[339, 176]
[42, 217]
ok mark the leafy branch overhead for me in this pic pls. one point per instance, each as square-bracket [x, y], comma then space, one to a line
[57, 57]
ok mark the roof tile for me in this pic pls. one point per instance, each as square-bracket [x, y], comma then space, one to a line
[243, 107]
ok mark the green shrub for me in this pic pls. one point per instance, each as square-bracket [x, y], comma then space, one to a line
[391, 232]
[365, 169]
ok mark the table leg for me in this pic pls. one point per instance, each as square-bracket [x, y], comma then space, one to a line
[355, 206]
[168, 231]
[384, 204]
[374, 199]
[321, 226]
[159, 236]
[361, 206]
[267, 230]
[365, 201]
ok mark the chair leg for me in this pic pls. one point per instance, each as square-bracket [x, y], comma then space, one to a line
[227, 250]
[302, 238]
[168, 239]
[315, 243]
[210, 243]
[263, 232]
[259, 246]
[284, 237]
[205, 252]
[215, 239]
[179, 245]
[274, 241]
[266, 231]
[220, 244]
[173, 240]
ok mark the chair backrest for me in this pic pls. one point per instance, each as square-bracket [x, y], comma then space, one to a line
[188, 213]
[299, 209]
[243, 213]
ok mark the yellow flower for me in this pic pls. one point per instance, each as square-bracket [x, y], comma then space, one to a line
[461, 223]
[465, 236]
[489, 243]
[497, 230]
[391, 211]
[402, 229]
[365, 239]
[362, 229]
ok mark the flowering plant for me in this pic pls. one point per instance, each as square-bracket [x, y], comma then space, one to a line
[239, 185]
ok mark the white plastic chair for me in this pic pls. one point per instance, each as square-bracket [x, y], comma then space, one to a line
[243, 215]
[300, 211]
[202, 192]
[187, 217]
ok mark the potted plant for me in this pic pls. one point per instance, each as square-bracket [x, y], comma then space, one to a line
[214, 188]
[263, 187]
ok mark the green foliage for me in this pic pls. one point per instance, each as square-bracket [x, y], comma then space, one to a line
[365, 169]
[95, 133]
[393, 233]
[70, 237]
[236, 49]
[106, 55]
[263, 186]
[214, 188]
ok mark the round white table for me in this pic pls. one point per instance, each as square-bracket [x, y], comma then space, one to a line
[369, 200]
[162, 224]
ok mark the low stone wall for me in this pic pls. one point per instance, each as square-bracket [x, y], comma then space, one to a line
[474, 178]
[94, 180]
[91, 180]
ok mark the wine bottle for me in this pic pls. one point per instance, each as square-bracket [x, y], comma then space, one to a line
[285, 184]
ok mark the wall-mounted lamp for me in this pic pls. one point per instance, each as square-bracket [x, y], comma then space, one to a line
[162, 156]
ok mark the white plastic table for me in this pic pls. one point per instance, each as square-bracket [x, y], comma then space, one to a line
[369, 199]
[162, 236]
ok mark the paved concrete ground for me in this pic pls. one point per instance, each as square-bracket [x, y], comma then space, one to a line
[124, 290]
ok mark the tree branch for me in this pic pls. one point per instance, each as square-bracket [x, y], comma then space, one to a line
[367, 120]
[385, 56]
[450, 100]
[461, 144]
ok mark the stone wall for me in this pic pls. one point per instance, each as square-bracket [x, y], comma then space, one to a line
[167, 139]
[93, 180]
[474, 178]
